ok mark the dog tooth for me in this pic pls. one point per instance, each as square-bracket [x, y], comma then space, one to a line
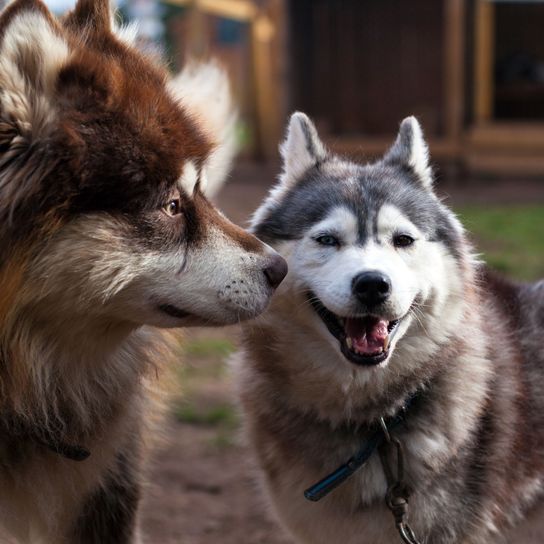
[349, 343]
[386, 343]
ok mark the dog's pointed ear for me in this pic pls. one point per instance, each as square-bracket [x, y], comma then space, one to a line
[33, 50]
[411, 150]
[91, 15]
[301, 148]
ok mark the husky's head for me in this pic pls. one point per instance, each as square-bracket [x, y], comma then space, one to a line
[102, 168]
[373, 254]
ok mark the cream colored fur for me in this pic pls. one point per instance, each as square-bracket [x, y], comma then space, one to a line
[31, 55]
[205, 91]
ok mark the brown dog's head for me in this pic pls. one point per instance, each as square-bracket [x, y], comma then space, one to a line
[101, 172]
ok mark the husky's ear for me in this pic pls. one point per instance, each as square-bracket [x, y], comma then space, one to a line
[301, 148]
[410, 149]
[91, 15]
[32, 52]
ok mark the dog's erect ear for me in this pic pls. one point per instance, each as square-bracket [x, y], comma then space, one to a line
[91, 15]
[32, 52]
[301, 148]
[410, 149]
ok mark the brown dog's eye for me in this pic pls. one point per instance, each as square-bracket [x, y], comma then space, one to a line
[173, 207]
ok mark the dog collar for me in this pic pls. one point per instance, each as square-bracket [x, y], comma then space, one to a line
[17, 428]
[74, 452]
[377, 436]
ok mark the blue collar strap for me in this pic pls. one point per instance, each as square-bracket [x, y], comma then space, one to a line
[322, 488]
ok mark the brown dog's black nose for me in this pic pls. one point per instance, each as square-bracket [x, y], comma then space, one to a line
[276, 271]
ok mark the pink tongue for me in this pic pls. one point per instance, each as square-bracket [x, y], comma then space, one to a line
[367, 334]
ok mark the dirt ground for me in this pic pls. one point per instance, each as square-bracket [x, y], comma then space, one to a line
[202, 486]
[203, 495]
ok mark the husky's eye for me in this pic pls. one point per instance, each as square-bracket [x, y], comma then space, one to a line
[402, 240]
[327, 240]
[173, 207]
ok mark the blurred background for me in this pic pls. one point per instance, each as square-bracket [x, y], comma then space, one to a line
[472, 71]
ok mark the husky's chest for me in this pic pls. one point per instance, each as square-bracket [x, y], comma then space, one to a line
[354, 513]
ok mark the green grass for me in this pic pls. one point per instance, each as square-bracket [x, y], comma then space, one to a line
[204, 385]
[222, 440]
[204, 359]
[223, 415]
[210, 347]
[510, 238]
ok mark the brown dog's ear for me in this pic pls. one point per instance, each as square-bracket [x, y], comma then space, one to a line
[33, 51]
[94, 15]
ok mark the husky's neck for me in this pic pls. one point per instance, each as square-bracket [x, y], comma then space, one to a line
[69, 373]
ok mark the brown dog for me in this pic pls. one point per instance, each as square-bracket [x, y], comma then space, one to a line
[105, 229]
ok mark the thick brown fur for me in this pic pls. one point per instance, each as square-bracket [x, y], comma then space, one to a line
[105, 233]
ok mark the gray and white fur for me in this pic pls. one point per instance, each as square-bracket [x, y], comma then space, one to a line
[469, 343]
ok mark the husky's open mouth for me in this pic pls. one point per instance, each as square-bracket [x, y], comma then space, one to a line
[363, 340]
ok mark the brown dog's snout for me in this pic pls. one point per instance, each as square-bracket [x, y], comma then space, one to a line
[276, 270]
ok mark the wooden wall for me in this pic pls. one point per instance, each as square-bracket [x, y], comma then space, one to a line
[359, 66]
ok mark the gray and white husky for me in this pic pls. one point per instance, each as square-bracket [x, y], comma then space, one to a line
[386, 313]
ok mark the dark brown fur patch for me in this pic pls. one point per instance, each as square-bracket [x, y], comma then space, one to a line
[109, 514]
[126, 137]
[94, 15]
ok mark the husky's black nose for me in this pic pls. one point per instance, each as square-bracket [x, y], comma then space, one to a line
[371, 287]
[276, 271]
